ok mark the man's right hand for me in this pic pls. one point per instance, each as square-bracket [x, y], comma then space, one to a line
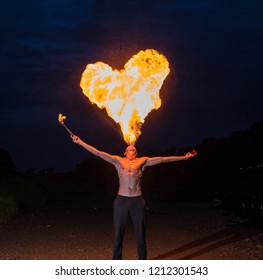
[75, 138]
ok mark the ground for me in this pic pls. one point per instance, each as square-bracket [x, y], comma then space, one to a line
[80, 227]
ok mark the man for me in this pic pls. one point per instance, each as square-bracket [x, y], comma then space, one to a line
[129, 199]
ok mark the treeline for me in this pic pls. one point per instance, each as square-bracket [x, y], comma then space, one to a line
[228, 170]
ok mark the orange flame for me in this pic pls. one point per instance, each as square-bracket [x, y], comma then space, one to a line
[130, 94]
[61, 118]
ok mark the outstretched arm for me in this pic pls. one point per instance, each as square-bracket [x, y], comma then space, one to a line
[158, 160]
[94, 151]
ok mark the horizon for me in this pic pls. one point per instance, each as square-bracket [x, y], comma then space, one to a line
[87, 155]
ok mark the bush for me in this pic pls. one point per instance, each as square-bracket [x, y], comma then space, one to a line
[25, 192]
[8, 209]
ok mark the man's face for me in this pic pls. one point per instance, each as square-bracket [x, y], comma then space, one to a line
[130, 152]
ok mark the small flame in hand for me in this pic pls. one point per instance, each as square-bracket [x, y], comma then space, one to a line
[61, 118]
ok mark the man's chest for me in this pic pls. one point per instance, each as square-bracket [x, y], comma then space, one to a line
[129, 166]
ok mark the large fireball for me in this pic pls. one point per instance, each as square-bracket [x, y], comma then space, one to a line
[129, 94]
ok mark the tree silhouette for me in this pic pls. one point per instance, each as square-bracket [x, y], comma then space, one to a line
[6, 163]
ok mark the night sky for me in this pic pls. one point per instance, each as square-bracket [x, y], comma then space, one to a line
[214, 48]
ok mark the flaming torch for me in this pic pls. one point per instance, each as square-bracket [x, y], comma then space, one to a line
[130, 94]
[61, 119]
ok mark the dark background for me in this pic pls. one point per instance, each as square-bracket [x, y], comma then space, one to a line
[213, 90]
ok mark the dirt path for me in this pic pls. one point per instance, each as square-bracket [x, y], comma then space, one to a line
[80, 227]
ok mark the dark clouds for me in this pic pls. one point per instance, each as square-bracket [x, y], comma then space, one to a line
[214, 88]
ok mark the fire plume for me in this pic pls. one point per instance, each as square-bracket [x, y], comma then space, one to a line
[130, 94]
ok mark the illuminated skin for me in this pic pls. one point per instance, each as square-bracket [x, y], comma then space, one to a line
[130, 167]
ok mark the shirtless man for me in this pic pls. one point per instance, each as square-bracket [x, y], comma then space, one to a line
[129, 199]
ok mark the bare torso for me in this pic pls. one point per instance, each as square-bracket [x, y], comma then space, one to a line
[130, 173]
[130, 168]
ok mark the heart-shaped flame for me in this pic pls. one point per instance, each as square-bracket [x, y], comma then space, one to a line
[130, 94]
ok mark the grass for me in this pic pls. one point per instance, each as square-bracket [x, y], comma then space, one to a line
[8, 208]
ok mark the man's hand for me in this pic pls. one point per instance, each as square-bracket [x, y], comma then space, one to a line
[75, 139]
[191, 154]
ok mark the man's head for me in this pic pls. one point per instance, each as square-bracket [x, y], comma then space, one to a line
[130, 152]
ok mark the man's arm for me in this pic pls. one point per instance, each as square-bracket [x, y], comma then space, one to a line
[158, 160]
[109, 158]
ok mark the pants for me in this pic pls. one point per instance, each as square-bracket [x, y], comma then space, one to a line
[135, 206]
